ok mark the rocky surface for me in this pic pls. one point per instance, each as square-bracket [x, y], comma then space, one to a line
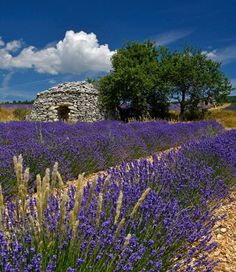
[224, 234]
[78, 99]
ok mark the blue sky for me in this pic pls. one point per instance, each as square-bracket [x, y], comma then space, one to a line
[44, 42]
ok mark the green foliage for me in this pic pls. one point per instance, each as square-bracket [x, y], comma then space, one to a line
[91, 80]
[196, 81]
[146, 78]
[134, 81]
[230, 99]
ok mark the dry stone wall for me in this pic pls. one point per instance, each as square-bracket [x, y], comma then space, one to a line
[70, 101]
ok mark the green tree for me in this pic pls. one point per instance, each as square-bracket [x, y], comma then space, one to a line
[133, 81]
[195, 80]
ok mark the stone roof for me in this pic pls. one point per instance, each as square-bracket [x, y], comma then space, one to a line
[70, 87]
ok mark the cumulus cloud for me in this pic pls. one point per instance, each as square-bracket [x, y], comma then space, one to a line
[77, 53]
[210, 54]
[172, 36]
[13, 46]
[224, 55]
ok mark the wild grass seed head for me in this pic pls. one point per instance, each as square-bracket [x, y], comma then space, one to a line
[99, 208]
[118, 207]
[140, 201]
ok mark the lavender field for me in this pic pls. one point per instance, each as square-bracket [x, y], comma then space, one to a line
[16, 106]
[89, 147]
[141, 215]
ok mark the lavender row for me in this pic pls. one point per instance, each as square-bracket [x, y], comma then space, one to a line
[89, 147]
[144, 216]
[16, 106]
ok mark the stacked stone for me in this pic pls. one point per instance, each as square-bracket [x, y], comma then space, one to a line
[81, 99]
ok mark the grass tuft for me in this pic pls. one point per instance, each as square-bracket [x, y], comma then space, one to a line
[226, 118]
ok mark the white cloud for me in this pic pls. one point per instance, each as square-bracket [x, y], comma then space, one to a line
[210, 54]
[13, 46]
[233, 81]
[52, 81]
[172, 36]
[5, 83]
[224, 55]
[1, 42]
[76, 53]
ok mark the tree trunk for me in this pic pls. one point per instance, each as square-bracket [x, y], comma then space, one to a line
[182, 105]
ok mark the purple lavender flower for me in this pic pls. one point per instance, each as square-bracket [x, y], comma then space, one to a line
[88, 147]
[166, 230]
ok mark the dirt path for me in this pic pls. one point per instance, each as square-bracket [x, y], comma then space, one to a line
[224, 233]
[93, 176]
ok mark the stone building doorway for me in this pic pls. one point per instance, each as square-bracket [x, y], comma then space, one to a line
[63, 113]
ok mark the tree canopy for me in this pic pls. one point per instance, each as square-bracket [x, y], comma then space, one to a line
[133, 88]
[196, 80]
[144, 79]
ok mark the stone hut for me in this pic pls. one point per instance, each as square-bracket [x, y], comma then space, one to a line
[70, 101]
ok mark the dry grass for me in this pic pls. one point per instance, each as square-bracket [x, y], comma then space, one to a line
[221, 107]
[13, 114]
[225, 117]
[6, 115]
[224, 114]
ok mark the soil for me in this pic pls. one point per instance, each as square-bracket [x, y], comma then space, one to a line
[224, 233]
